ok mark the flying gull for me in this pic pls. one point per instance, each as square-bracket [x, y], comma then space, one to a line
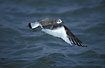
[54, 27]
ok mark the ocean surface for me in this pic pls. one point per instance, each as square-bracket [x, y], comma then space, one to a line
[21, 47]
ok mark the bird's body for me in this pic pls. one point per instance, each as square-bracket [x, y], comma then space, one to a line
[55, 28]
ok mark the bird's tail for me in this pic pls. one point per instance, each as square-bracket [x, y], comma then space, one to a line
[33, 25]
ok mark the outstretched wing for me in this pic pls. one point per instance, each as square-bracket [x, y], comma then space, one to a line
[73, 39]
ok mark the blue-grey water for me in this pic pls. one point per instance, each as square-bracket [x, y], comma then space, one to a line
[21, 47]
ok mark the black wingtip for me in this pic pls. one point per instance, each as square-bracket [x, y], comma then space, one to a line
[83, 45]
[73, 38]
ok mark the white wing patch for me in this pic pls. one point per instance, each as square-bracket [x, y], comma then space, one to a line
[59, 32]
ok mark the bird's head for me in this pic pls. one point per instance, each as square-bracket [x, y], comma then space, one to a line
[58, 21]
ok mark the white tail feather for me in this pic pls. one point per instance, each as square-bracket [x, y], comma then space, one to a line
[34, 25]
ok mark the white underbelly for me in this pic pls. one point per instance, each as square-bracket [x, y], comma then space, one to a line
[59, 32]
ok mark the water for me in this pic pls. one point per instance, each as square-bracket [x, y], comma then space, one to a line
[21, 47]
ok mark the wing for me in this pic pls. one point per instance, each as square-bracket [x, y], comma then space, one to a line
[73, 39]
[52, 26]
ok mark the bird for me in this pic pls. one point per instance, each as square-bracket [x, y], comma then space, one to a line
[54, 27]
